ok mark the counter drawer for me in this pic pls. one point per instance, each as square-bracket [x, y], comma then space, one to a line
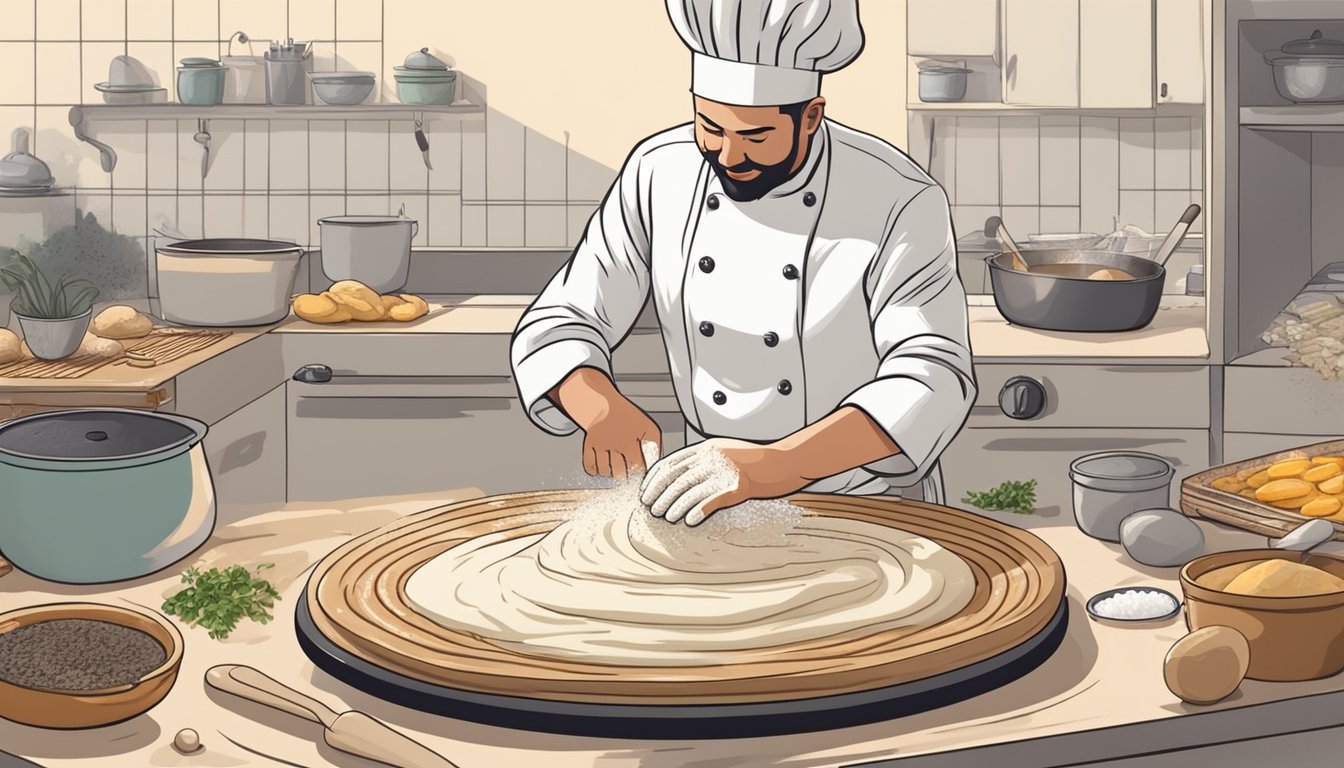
[1119, 396]
[1279, 400]
[979, 459]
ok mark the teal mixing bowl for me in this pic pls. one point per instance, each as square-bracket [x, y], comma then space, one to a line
[102, 495]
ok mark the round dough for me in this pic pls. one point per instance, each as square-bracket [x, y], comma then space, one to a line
[122, 322]
[11, 348]
[615, 585]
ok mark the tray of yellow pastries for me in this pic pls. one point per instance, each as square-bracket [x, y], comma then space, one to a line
[1272, 494]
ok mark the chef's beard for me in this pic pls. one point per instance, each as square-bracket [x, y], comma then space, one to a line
[770, 176]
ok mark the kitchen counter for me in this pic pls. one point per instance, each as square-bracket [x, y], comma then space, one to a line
[1099, 697]
[483, 324]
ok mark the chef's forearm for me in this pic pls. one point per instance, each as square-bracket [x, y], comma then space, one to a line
[585, 395]
[846, 439]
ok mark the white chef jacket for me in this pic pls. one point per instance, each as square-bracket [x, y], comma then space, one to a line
[837, 288]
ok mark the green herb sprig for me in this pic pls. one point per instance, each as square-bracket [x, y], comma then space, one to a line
[218, 600]
[1011, 496]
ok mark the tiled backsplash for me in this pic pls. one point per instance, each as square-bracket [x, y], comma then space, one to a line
[1066, 173]
[494, 183]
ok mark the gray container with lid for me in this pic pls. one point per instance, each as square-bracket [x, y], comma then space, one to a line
[1108, 487]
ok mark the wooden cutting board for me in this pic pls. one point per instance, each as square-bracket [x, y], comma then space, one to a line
[357, 601]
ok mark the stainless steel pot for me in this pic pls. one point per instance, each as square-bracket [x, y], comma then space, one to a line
[226, 281]
[100, 495]
[375, 250]
[1055, 302]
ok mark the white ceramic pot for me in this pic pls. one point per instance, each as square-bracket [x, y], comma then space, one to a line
[226, 281]
[54, 339]
[375, 250]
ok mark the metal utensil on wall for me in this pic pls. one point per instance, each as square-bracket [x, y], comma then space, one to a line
[202, 137]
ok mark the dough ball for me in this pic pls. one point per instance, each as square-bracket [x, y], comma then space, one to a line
[122, 322]
[95, 346]
[11, 348]
[1207, 665]
[187, 740]
[358, 308]
[390, 301]
[413, 308]
[1161, 537]
[314, 308]
[1110, 274]
[356, 290]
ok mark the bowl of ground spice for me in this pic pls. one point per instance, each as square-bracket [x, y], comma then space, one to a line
[84, 665]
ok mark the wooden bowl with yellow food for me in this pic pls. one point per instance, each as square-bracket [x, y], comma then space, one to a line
[1272, 494]
[1291, 611]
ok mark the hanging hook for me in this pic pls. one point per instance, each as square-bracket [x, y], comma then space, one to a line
[421, 140]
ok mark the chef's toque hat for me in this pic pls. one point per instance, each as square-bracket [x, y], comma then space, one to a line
[765, 52]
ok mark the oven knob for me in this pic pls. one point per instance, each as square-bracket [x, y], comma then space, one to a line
[313, 374]
[1022, 398]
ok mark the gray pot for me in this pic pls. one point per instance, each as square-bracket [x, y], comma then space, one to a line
[1108, 487]
[942, 83]
[375, 250]
[54, 339]
[101, 495]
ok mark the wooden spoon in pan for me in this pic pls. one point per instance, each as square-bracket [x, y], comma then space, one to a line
[994, 228]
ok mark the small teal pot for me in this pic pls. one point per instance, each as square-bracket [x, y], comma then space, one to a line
[103, 495]
[200, 82]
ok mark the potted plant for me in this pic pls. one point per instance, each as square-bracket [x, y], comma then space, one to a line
[54, 317]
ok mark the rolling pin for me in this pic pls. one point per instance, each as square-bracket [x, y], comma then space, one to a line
[352, 732]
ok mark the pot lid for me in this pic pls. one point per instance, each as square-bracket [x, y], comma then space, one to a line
[21, 169]
[1122, 465]
[229, 246]
[94, 434]
[1316, 45]
[365, 220]
[192, 62]
[423, 59]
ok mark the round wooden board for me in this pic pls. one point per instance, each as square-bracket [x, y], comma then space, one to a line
[356, 602]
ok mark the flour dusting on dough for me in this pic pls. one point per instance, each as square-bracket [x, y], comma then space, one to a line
[615, 584]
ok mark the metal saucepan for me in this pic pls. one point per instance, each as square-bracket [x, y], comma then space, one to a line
[1056, 293]
[1070, 301]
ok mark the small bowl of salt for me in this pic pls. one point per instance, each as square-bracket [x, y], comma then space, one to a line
[1128, 606]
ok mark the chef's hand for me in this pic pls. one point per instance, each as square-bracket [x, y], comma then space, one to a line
[615, 429]
[698, 481]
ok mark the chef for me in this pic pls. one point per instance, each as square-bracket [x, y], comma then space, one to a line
[804, 277]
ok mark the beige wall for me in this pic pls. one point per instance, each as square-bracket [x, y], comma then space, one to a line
[610, 72]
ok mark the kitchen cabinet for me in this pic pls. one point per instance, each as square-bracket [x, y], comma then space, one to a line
[1040, 52]
[246, 455]
[952, 27]
[1090, 54]
[1179, 35]
[1115, 49]
[370, 436]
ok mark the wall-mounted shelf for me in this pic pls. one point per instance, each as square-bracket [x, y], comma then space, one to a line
[81, 115]
[269, 112]
[1299, 117]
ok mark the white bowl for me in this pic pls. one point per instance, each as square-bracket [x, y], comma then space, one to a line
[342, 88]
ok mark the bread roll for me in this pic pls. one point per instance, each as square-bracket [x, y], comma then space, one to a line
[415, 307]
[357, 307]
[11, 348]
[121, 322]
[356, 290]
[94, 346]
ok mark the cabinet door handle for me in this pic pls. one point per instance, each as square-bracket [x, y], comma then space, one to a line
[315, 373]
[1012, 71]
[1162, 92]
